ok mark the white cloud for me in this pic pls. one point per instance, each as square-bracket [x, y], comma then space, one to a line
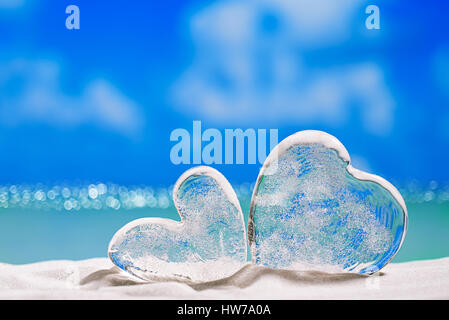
[309, 23]
[249, 67]
[30, 92]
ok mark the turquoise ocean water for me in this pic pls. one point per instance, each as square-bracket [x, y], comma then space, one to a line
[39, 223]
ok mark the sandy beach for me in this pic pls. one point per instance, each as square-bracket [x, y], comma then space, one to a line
[99, 279]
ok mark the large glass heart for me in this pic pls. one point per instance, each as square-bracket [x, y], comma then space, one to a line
[208, 244]
[312, 210]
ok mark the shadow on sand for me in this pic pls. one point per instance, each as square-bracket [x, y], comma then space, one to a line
[243, 278]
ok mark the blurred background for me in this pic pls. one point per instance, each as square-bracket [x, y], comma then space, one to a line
[86, 115]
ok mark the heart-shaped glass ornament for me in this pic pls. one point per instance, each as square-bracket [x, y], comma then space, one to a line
[311, 209]
[208, 243]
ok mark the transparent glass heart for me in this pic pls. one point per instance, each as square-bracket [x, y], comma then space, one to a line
[311, 210]
[208, 244]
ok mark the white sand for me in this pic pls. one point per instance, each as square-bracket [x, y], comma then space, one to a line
[99, 279]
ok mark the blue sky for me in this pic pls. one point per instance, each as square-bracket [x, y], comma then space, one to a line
[99, 103]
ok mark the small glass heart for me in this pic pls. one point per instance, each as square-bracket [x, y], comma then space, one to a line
[208, 244]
